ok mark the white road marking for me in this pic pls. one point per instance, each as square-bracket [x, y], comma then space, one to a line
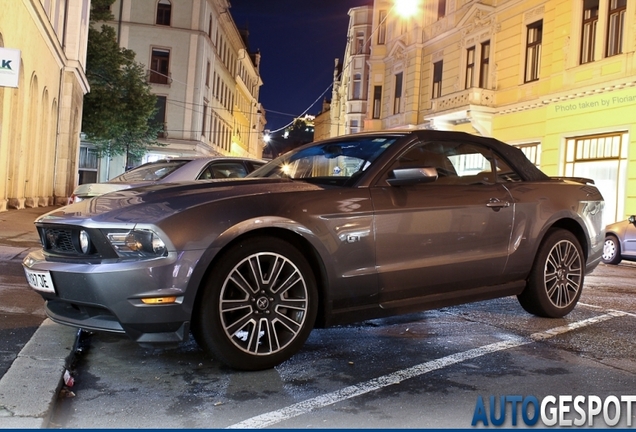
[297, 409]
[607, 310]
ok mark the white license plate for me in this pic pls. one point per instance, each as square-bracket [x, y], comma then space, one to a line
[39, 280]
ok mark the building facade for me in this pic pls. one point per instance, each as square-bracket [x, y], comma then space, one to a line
[206, 80]
[350, 96]
[41, 113]
[556, 78]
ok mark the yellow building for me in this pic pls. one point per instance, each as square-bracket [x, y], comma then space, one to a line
[556, 77]
[42, 42]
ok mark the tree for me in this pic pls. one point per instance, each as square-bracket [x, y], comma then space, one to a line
[118, 115]
[300, 132]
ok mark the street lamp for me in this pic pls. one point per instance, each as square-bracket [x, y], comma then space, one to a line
[407, 8]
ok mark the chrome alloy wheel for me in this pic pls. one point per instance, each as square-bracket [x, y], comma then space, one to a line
[563, 273]
[263, 303]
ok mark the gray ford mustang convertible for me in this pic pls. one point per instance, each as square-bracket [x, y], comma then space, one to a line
[351, 228]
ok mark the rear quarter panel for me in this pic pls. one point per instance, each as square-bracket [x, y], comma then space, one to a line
[540, 206]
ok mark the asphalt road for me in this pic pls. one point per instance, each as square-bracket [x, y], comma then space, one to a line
[426, 370]
[21, 312]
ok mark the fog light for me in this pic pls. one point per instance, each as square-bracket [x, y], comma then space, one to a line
[158, 300]
[85, 242]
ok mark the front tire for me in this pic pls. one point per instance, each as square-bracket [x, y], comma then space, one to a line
[556, 279]
[611, 250]
[258, 306]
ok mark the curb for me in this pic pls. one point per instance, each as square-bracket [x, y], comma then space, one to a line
[29, 389]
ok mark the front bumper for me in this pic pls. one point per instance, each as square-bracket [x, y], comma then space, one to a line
[108, 296]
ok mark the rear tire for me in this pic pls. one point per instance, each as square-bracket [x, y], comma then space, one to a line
[258, 306]
[611, 250]
[556, 279]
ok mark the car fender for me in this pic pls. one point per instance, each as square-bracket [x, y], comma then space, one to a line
[253, 226]
[583, 227]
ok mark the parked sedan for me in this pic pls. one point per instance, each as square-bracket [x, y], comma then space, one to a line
[171, 170]
[620, 241]
[351, 228]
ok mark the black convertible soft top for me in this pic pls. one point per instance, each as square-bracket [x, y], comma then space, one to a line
[513, 155]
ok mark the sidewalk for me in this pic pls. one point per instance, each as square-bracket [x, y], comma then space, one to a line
[30, 385]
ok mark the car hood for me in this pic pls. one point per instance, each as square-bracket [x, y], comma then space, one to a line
[616, 226]
[149, 204]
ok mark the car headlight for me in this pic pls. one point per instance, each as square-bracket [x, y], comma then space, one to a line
[136, 243]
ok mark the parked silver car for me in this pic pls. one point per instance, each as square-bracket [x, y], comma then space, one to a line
[347, 229]
[171, 170]
[620, 241]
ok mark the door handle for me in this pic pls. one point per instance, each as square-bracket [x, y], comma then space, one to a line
[496, 204]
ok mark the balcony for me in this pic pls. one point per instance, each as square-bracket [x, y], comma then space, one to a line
[463, 99]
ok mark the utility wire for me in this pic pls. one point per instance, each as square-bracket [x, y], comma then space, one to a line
[367, 43]
[339, 77]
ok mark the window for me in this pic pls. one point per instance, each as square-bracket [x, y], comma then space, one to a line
[397, 101]
[603, 158]
[219, 170]
[159, 66]
[207, 75]
[87, 165]
[470, 67]
[484, 65]
[588, 36]
[403, 25]
[360, 43]
[354, 126]
[382, 27]
[615, 26]
[377, 101]
[163, 12]
[533, 51]
[204, 122]
[357, 86]
[441, 9]
[331, 163]
[437, 79]
[458, 163]
[160, 116]
[210, 27]
[532, 152]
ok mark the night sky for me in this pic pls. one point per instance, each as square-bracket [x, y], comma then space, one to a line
[298, 41]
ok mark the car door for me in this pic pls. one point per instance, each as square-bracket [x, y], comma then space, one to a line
[629, 241]
[437, 238]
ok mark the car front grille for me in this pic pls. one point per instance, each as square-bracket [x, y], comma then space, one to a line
[62, 243]
[58, 240]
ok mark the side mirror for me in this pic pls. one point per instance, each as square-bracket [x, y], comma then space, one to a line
[632, 219]
[411, 176]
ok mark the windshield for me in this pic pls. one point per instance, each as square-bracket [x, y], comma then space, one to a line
[152, 171]
[331, 162]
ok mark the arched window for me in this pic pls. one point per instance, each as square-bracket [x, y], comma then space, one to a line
[163, 12]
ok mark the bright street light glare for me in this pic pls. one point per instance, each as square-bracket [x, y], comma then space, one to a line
[406, 8]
